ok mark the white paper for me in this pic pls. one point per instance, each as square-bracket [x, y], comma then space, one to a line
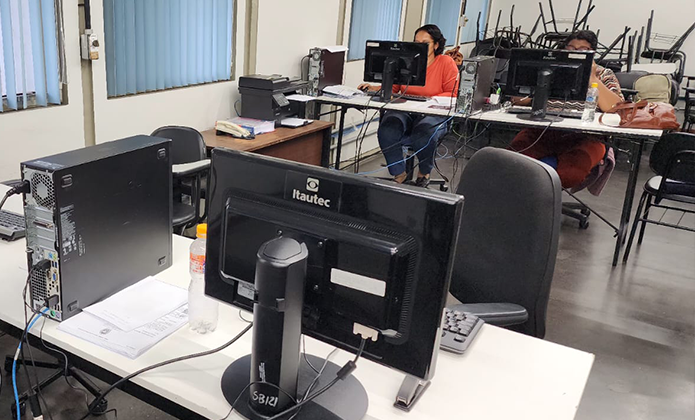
[127, 343]
[445, 100]
[139, 304]
[300, 98]
[343, 91]
[335, 48]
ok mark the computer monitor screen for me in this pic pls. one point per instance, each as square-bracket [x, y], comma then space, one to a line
[570, 72]
[380, 254]
[395, 62]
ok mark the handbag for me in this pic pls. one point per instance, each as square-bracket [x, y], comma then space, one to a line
[645, 114]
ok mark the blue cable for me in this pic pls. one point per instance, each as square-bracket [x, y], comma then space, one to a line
[14, 362]
[414, 154]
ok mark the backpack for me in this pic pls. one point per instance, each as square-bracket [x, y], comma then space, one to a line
[653, 88]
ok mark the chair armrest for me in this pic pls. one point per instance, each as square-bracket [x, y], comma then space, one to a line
[500, 314]
[188, 169]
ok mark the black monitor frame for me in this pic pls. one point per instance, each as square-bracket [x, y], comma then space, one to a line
[395, 62]
[548, 74]
[423, 223]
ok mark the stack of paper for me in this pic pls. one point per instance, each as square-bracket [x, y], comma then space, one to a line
[254, 126]
[133, 320]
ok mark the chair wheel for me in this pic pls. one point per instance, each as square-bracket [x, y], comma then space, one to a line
[102, 406]
[583, 224]
[585, 212]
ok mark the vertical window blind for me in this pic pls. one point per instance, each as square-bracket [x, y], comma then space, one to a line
[161, 44]
[373, 19]
[445, 14]
[473, 8]
[29, 60]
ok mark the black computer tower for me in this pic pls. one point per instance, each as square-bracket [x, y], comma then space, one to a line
[475, 83]
[98, 219]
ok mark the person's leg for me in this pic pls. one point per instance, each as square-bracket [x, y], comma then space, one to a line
[575, 164]
[424, 139]
[392, 129]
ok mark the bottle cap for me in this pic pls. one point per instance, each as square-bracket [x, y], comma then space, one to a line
[201, 230]
[594, 85]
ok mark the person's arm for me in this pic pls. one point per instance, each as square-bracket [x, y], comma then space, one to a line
[607, 97]
[450, 81]
[366, 86]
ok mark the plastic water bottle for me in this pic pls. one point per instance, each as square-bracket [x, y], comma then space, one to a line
[202, 311]
[590, 104]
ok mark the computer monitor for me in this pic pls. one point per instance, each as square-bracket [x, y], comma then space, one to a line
[544, 74]
[395, 62]
[378, 258]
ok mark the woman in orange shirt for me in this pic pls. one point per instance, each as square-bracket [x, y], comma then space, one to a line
[420, 132]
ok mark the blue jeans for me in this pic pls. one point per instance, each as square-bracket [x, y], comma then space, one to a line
[421, 133]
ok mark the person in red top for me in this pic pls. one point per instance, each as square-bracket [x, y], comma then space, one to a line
[420, 132]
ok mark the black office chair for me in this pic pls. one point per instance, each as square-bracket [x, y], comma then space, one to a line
[673, 161]
[508, 239]
[190, 170]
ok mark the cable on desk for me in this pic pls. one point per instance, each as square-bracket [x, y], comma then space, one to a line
[24, 187]
[121, 381]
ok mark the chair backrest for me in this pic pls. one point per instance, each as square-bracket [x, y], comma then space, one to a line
[509, 233]
[187, 144]
[627, 79]
[673, 157]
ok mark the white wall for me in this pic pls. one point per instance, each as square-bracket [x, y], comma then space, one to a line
[39, 132]
[288, 29]
[671, 17]
[196, 106]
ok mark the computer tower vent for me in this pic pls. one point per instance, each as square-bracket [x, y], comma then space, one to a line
[38, 285]
[42, 190]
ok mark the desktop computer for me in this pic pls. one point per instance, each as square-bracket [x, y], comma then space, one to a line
[98, 219]
[395, 62]
[330, 255]
[475, 84]
[548, 74]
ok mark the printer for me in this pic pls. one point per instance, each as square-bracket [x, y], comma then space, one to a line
[263, 97]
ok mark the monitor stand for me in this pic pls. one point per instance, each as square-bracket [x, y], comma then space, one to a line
[539, 106]
[280, 273]
[389, 74]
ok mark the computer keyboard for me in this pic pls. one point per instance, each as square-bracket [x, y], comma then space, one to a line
[564, 113]
[11, 225]
[458, 330]
[403, 96]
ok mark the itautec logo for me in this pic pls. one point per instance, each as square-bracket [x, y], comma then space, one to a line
[312, 185]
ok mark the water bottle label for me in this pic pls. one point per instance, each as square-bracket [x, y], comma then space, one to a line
[198, 263]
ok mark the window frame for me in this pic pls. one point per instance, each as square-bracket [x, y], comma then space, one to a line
[233, 63]
[457, 37]
[62, 71]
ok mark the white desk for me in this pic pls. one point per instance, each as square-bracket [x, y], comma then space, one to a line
[637, 138]
[504, 375]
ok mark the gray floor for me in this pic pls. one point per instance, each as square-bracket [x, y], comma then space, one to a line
[638, 319]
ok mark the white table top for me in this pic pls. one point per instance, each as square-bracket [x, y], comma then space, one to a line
[500, 117]
[503, 375]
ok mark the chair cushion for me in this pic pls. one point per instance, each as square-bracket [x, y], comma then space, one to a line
[674, 190]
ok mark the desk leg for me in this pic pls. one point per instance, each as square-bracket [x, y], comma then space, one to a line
[339, 145]
[629, 198]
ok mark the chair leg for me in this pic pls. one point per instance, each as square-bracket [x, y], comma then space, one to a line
[634, 226]
[645, 216]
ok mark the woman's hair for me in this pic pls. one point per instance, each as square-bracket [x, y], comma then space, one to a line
[588, 36]
[437, 37]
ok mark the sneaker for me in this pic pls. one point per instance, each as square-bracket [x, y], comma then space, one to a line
[423, 182]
